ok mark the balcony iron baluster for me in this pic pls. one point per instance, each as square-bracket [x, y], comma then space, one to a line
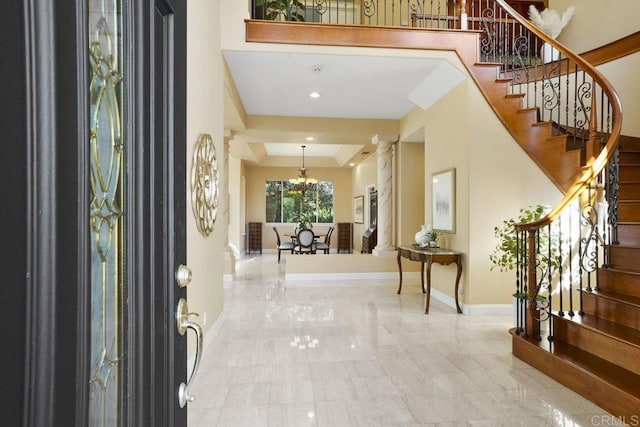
[369, 8]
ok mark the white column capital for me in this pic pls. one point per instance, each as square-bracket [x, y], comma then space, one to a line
[229, 134]
[383, 140]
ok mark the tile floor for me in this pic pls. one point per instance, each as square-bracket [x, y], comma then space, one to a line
[353, 353]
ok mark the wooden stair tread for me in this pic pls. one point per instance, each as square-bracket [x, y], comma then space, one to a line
[629, 271]
[617, 297]
[611, 329]
[626, 246]
[607, 371]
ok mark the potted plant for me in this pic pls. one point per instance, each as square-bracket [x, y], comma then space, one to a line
[504, 256]
[433, 236]
[304, 222]
[285, 10]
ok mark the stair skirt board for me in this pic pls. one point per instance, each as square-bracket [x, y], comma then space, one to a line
[613, 399]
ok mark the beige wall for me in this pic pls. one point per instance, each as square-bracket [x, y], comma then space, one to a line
[410, 191]
[204, 115]
[256, 176]
[627, 85]
[494, 179]
[596, 23]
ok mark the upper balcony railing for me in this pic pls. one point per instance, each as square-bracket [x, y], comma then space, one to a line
[498, 30]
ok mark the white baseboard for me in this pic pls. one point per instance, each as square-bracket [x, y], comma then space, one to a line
[348, 276]
[488, 309]
[474, 309]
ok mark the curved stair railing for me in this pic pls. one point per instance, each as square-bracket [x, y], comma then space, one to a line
[559, 255]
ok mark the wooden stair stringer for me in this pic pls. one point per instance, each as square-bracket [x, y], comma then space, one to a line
[560, 166]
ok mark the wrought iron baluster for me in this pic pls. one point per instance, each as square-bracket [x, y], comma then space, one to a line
[560, 269]
[571, 312]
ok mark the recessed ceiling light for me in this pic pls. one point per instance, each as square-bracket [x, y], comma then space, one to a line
[309, 138]
[352, 164]
[314, 95]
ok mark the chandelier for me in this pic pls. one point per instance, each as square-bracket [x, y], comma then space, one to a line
[302, 181]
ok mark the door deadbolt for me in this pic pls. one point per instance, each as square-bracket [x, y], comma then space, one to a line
[183, 276]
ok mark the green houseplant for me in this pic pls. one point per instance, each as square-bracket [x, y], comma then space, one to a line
[504, 255]
[304, 222]
[433, 236]
[286, 10]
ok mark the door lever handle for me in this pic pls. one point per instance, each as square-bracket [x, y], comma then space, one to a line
[183, 323]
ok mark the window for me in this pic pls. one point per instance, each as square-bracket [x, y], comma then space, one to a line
[286, 204]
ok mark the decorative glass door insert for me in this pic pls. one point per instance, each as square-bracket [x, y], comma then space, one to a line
[107, 387]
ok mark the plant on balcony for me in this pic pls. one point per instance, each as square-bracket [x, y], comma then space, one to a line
[284, 10]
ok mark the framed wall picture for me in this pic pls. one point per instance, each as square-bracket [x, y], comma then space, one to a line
[358, 209]
[443, 200]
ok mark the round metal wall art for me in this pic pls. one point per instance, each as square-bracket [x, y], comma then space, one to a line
[204, 184]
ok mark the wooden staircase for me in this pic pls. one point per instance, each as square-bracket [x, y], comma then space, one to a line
[597, 353]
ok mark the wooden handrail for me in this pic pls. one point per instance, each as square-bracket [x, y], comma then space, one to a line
[593, 168]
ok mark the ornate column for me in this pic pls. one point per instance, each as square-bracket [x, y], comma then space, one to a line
[384, 151]
[229, 259]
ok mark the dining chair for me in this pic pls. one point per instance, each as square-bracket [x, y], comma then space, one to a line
[305, 242]
[326, 245]
[282, 246]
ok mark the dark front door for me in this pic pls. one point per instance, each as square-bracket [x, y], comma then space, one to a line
[93, 167]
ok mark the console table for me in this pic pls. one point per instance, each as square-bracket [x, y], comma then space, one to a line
[429, 256]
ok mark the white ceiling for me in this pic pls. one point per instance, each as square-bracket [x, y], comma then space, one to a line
[351, 87]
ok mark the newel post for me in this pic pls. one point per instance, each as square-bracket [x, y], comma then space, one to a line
[531, 323]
